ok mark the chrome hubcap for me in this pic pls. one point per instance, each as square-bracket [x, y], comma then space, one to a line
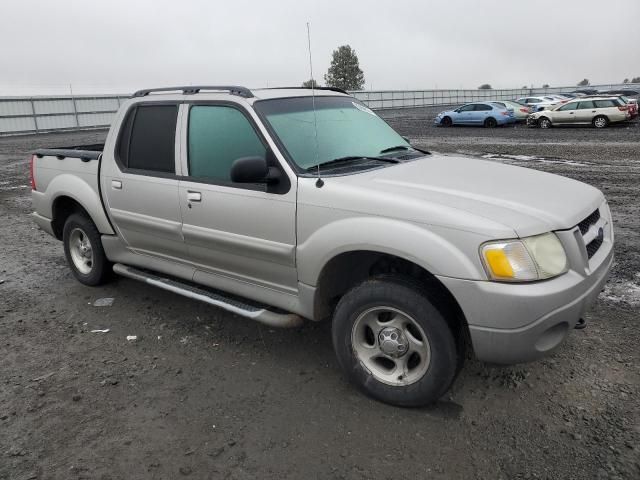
[391, 345]
[600, 122]
[393, 342]
[81, 251]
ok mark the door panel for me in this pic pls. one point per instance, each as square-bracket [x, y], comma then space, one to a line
[241, 233]
[238, 231]
[586, 111]
[140, 185]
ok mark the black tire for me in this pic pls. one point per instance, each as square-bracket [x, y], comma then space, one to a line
[544, 122]
[409, 299]
[490, 122]
[100, 268]
[600, 122]
[446, 122]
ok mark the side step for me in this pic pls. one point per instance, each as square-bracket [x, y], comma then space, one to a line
[217, 298]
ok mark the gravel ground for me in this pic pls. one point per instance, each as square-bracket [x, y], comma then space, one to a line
[205, 394]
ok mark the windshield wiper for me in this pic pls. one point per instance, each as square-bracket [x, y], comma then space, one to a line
[351, 158]
[397, 147]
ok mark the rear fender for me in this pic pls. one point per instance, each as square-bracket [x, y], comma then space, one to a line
[76, 188]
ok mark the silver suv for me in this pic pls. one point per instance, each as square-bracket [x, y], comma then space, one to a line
[285, 204]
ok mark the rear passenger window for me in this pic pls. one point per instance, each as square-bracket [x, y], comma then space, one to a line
[585, 105]
[482, 107]
[217, 137]
[605, 103]
[148, 138]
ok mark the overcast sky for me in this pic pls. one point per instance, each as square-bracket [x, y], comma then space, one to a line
[118, 46]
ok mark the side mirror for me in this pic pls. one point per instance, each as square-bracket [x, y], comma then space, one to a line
[253, 170]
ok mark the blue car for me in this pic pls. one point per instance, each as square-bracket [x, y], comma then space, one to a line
[487, 114]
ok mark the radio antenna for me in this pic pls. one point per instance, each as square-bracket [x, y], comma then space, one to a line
[319, 182]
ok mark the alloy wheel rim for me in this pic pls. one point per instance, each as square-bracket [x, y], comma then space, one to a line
[81, 251]
[391, 345]
[600, 122]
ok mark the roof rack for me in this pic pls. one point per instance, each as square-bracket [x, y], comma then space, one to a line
[333, 89]
[190, 90]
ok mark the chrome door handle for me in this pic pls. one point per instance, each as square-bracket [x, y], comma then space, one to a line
[194, 196]
[116, 184]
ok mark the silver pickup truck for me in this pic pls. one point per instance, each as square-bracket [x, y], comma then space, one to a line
[288, 204]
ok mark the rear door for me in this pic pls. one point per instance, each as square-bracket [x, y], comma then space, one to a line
[242, 232]
[586, 111]
[140, 185]
[481, 112]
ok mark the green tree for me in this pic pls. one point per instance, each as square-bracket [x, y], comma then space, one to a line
[626, 80]
[583, 83]
[635, 80]
[546, 85]
[310, 83]
[485, 86]
[344, 71]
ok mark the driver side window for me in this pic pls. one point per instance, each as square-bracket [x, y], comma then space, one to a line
[466, 108]
[219, 135]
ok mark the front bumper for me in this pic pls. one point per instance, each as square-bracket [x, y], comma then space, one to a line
[518, 322]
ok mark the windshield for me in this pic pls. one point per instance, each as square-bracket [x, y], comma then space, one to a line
[346, 128]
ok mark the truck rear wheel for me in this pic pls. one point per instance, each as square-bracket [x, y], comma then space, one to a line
[83, 250]
[393, 343]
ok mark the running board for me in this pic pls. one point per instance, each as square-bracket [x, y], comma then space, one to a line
[216, 298]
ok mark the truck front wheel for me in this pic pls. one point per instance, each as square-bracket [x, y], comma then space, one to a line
[84, 252]
[393, 343]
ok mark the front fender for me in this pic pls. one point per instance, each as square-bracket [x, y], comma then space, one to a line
[425, 246]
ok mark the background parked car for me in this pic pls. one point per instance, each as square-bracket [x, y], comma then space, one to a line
[487, 114]
[596, 111]
[627, 92]
[521, 112]
[538, 103]
[586, 91]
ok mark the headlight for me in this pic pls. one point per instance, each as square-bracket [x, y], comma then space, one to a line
[523, 260]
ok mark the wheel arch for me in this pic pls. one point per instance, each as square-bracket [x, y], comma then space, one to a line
[350, 268]
[67, 193]
[62, 207]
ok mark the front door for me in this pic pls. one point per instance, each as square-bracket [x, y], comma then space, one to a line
[140, 185]
[243, 232]
[565, 114]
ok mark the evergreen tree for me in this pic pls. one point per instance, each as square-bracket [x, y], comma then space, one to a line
[344, 71]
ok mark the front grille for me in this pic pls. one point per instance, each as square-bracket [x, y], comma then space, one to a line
[595, 244]
[590, 220]
[587, 225]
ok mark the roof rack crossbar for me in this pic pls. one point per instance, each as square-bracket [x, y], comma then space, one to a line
[191, 89]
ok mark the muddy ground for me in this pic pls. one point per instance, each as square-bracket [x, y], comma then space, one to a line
[205, 394]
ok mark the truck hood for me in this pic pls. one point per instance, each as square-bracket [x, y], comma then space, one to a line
[467, 194]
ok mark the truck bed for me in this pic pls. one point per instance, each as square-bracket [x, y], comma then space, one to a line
[83, 152]
[70, 172]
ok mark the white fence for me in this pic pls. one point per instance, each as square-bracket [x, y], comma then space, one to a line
[20, 115]
[46, 114]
